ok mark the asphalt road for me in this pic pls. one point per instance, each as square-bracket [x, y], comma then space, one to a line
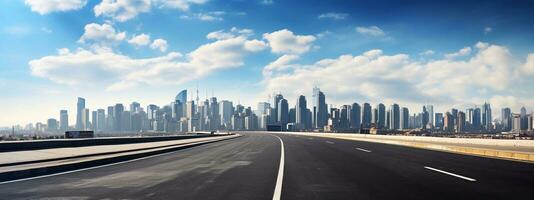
[248, 167]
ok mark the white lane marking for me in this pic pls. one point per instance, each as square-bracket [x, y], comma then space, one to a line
[365, 150]
[90, 168]
[279, 180]
[330, 142]
[451, 174]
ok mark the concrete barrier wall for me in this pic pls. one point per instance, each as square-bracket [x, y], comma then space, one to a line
[473, 141]
[63, 143]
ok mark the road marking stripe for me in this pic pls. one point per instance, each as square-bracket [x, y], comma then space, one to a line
[95, 167]
[279, 180]
[451, 174]
[365, 150]
[330, 142]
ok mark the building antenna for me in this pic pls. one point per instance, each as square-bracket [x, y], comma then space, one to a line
[198, 99]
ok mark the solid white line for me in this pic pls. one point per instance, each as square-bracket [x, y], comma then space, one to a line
[90, 168]
[452, 174]
[279, 180]
[365, 150]
[330, 142]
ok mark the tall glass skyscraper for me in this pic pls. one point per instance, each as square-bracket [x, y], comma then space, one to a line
[80, 108]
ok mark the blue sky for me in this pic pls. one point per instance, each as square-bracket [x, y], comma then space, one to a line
[410, 52]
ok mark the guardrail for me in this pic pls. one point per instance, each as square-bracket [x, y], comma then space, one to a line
[64, 143]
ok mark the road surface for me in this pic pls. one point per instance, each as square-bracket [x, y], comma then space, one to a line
[250, 167]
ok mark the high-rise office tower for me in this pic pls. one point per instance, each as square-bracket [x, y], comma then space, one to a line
[344, 118]
[117, 122]
[394, 122]
[283, 113]
[51, 125]
[381, 116]
[438, 121]
[506, 119]
[319, 110]
[486, 116]
[425, 118]
[300, 112]
[476, 119]
[190, 109]
[135, 107]
[94, 122]
[80, 107]
[355, 116]
[100, 119]
[404, 118]
[86, 125]
[460, 122]
[63, 120]
[430, 110]
[276, 102]
[448, 122]
[366, 115]
[262, 108]
[523, 118]
[226, 110]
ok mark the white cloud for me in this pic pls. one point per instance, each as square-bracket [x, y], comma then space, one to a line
[427, 53]
[209, 17]
[528, 67]
[47, 6]
[140, 40]
[122, 10]
[115, 71]
[285, 42]
[234, 32]
[180, 4]
[462, 52]
[266, 2]
[101, 35]
[375, 77]
[333, 15]
[160, 44]
[370, 31]
[487, 30]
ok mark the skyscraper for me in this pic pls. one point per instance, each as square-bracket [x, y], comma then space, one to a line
[100, 119]
[381, 116]
[117, 122]
[486, 116]
[80, 107]
[404, 118]
[300, 112]
[430, 110]
[366, 115]
[276, 103]
[283, 113]
[506, 119]
[63, 120]
[86, 125]
[226, 110]
[319, 110]
[355, 116]
[394, 122]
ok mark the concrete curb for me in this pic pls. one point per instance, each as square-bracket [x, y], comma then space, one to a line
[40, 171]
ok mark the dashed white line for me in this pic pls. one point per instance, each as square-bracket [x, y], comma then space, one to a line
[451, 174]
[280, 178]
[330, 142]
[364, 150]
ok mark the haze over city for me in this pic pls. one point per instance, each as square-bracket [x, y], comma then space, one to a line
[446, 55]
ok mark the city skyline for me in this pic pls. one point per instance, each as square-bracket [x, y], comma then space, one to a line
[456, 56]
[191, 114]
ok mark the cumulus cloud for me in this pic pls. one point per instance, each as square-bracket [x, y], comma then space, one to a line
[44, 7]
[285, 42]
[266, 2]
[140, 40]
[427, 53]
[122, 10]
[209, 17]
[101, 34]
[180, 4]
[160, 44]
[462, 52]
[234, 32]
[376, 77]
[487, 30]
[115, 71]
[370, 31]
[333, 15]
[528, 67]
